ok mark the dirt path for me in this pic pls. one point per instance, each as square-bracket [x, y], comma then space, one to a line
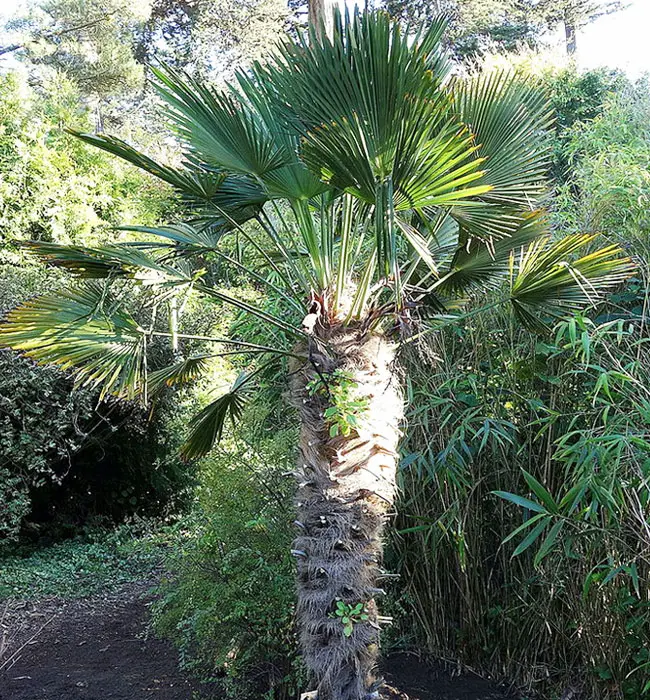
[93, 649]
[97, 649]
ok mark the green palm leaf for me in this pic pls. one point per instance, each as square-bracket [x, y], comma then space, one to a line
[206, 428]
[369, 108]
[199, 186]
[84, 329]
[477, 265]
[110, 261]
[218, 128]
[184, 238]
[194, 183]
[549, 280]
[293, 181]
[511, 119]
[181, 372]
[126, 260]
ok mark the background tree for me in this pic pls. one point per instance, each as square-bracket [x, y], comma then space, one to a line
[211, 37]
[573, 14]
[90, 42]
[358, 185]
[475, 25]
[104, 48]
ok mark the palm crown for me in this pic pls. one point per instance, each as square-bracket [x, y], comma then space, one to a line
[364, 185]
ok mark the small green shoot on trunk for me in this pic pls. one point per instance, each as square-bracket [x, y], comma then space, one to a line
[345, 410]
[350, 615]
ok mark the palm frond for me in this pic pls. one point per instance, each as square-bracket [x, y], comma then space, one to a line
[184, 238]
[293, 180]
[102, 262]
[206, 428]
[86, 330]
[548, 280]
[510, 118]
[181, 372]
[195, 184]
[369, 108]
[478, 265]
[217, 127]
[209, 193]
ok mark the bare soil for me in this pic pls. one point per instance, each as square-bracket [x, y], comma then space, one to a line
[410, 678]
[98, 649]
[90, 649]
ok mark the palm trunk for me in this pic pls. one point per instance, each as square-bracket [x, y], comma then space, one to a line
[570, 36]
[346, 489]
[320, 15]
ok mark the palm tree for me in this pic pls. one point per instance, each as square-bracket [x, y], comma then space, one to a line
[371, 195]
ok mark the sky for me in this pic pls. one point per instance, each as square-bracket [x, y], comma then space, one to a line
[618, 41]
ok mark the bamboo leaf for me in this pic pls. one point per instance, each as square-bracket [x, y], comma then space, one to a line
[541, 493]
[520, 501]
[549, 542]
[532, 537]
[528, 523]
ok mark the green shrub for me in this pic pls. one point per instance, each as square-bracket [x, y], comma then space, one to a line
[578, 97]
[228, 601]
[609, 188]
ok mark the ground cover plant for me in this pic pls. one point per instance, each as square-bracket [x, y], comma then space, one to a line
[372, 196]
[97, 561]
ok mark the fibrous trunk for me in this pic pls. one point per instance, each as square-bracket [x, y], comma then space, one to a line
[346, 489]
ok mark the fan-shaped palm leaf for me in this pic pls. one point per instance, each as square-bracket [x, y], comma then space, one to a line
[207, 427]
[369, 108]
[199, 186]
[549, 280]
[109, 261]
[477, 265]
[511, 119]
[218, 128]
[181, 372]
[184, 238]
[85, 329]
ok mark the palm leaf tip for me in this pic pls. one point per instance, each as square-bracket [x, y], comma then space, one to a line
[206, 428]
[181, 372]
